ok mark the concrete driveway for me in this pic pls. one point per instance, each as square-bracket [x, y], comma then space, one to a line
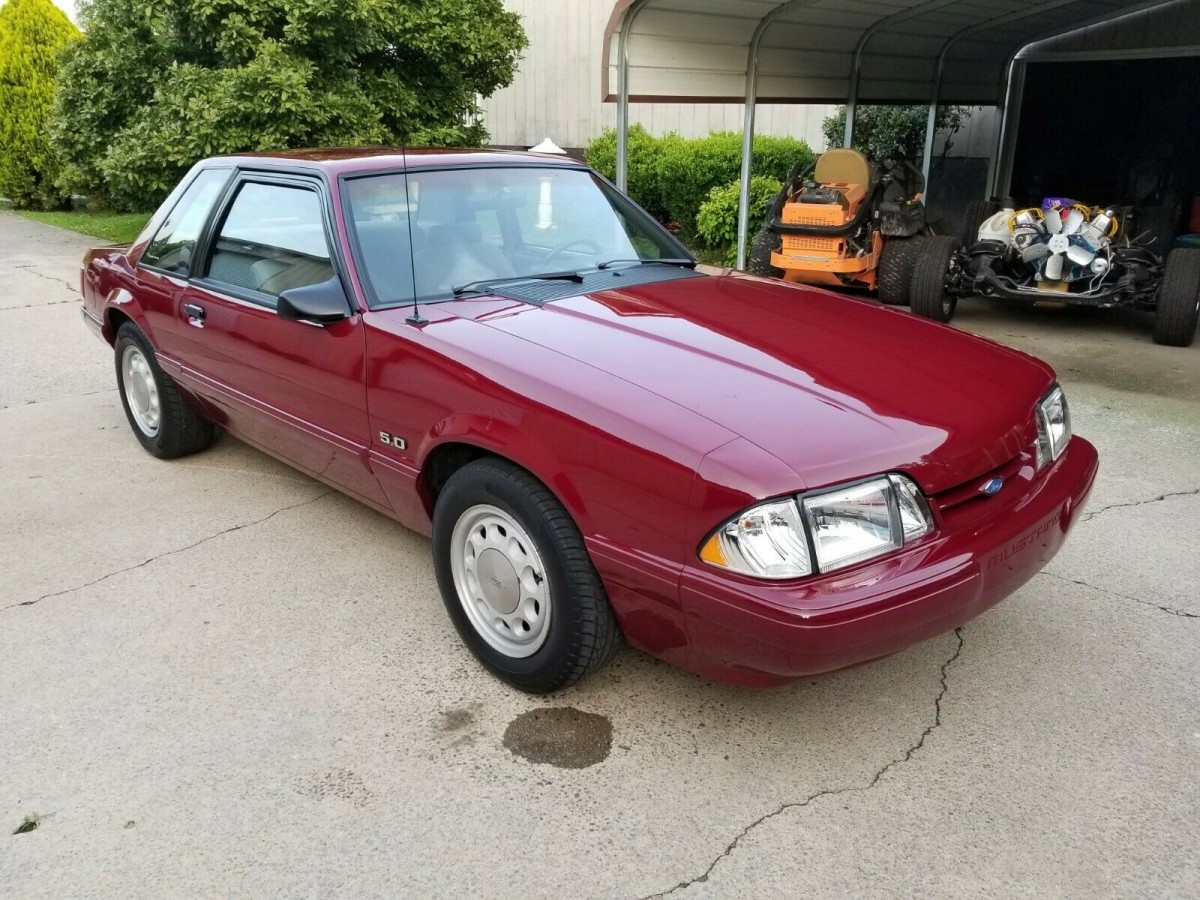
[218, 677]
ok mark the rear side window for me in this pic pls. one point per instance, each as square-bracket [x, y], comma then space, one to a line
[171, 249]
[272, 240]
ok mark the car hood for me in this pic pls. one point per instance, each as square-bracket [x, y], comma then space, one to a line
[834, 387]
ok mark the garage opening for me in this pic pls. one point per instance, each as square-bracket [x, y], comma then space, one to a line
[1113, 132]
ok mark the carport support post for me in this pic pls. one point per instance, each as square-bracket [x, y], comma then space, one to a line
[623, 107]
[622, 173]
[931, 120]
[927, 153]
[851, 106]
[748, 122]
[748, 147]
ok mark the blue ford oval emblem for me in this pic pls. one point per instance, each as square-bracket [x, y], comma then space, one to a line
[991, 486]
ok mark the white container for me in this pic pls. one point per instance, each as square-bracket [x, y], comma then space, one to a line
[995, 228]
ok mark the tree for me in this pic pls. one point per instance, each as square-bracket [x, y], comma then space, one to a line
[895, 133]
[32, 36]
[155, 86]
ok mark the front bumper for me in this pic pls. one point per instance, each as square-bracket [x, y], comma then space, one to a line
[754, 633]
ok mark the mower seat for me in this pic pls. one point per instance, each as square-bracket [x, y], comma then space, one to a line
[843, 166]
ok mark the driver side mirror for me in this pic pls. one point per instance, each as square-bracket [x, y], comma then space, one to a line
[322, 304]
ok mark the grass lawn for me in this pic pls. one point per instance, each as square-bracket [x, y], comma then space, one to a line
[120, 228]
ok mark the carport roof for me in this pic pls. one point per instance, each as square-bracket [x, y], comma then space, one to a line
[697, 50]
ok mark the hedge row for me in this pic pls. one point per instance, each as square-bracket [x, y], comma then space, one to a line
[716, 223]
[672, 176]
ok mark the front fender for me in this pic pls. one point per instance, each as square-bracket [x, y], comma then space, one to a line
[503, 439]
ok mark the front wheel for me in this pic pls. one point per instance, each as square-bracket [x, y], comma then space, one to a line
[162, 420]
[517, 580]
[765, 243]
[1178, 306]
[933, 274]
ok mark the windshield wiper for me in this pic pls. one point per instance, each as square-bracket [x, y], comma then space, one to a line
[688, 263]
[486, 284]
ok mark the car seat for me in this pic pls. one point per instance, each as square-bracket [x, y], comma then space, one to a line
[457, 254]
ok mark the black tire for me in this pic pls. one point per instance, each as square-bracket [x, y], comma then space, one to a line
[978, 212]
[1178, 306]
[180, 430]
[927, 293]
[758, 262]
[1158, 224]
[582, 633]
[896, 264]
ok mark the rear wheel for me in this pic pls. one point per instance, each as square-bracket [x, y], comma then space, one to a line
[517, 580]
[978, 212]
[765, 243]
[1178, 306]
[937, 266]
[896, 264]
[162, 420]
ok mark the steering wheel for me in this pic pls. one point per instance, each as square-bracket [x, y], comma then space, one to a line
[589, 245]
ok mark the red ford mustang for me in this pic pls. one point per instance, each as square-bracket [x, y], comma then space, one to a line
[753, 480]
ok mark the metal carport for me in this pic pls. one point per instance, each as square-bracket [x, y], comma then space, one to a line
[822, 51]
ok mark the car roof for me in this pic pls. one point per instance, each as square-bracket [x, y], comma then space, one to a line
[344, 160]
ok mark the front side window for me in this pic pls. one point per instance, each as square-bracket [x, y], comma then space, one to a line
[468, 225]
[272, 240]
[172, 246]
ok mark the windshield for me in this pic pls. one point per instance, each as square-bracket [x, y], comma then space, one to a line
[467, 226]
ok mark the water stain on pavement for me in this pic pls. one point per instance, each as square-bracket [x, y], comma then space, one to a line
[339, 783]
[458, 719]
[560, 736]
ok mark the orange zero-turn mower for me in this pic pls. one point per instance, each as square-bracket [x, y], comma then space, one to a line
[844, 222]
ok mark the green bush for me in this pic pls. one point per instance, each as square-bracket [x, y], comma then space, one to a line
[895, 133]
[672, 176]
[32, 36]
[643, 176]
[155, 86]
[717, 220]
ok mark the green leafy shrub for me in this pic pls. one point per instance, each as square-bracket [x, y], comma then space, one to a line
[154, 86]
[672, 176]
[894, 133]
[644, 184]
[717, 220]
[33, 34]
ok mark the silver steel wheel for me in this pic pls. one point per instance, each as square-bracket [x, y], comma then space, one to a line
[141, 390]
[500, 580]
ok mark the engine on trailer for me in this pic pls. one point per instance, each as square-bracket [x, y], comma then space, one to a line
[1062, 242]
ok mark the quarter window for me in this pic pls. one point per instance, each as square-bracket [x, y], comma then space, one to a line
[272, 240]
[172, 246]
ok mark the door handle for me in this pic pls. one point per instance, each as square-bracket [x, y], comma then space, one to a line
[195, 313]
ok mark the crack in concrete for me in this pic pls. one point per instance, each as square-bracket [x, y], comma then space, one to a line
[38, 305]
[32, 271]
[58, 399]
[1183, 614]
[166, 553]
[1089, 516]
[811, 798]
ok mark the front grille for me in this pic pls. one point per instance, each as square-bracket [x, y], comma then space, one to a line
[968, 491]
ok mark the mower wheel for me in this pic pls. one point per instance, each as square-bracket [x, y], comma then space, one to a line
[765, 243]
[1178, 306]
[928, 292]
[978, 212]
[896, 268]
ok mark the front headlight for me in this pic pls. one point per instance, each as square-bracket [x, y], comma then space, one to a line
[842, 525]
[767, 541]
[1054, 426]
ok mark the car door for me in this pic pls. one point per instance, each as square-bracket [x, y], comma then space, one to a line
[293, 388]
[167, 258]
